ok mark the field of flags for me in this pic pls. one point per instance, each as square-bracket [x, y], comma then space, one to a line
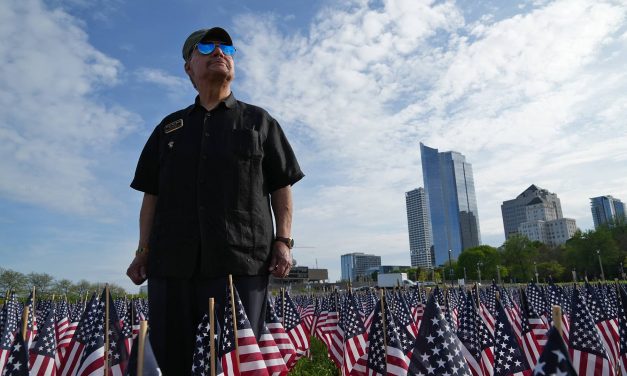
[494, 330]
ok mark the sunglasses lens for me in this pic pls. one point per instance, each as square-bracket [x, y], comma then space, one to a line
[227, 50]
[206, 48]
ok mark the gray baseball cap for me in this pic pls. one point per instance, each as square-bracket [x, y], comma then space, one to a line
[215, 34]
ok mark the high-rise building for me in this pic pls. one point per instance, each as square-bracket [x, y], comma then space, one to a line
[607, 210]
[537, 214]
[515, 211]
[355, 265]
[450, 191]
[419, 228]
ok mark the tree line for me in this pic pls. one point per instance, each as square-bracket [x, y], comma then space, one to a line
[46, 285]
[595, 254]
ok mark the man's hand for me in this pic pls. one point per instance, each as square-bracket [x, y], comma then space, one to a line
[281, 262]
[137, 270]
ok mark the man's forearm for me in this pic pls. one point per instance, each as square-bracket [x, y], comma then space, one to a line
[282, 207]
[146, 218]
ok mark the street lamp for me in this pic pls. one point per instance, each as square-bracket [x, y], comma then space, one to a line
[450, 267]
[479, 265]
[498, 274]
[600, 264]
[535, 267]
[465, 279]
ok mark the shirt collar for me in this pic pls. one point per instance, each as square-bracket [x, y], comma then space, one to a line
[229, 102]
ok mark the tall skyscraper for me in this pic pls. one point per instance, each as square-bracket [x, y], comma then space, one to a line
[537, 214]
[450, 191]
[514, 211]
[419, 226]
[356, 264]
[606, 210]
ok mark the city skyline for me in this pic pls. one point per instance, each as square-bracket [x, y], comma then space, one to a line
[529, 92]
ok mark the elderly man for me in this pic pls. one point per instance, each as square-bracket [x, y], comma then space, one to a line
[212, 175]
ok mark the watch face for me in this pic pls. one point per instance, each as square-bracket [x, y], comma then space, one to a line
[291, 243]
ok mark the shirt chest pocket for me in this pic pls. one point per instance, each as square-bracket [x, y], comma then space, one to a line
[246, 144]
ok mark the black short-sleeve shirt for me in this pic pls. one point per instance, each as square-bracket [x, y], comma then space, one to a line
[213, 172]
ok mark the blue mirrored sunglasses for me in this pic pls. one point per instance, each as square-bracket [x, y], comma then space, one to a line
[207, 48]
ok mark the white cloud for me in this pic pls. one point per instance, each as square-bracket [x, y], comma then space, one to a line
[538, 97]
[52, 123]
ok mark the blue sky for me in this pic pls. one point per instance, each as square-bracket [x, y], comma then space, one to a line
[529, 91]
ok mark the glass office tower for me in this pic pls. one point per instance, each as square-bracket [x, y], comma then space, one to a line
[606, 210]
[450, 189]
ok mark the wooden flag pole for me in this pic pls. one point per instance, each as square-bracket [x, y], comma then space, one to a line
[385, 337]
[556, 312]
[141, 346]
[33, 302]
[25, 321]
[106, 333]
[212, 334]
[234, 313]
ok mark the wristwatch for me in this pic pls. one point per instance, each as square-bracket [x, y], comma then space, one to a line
[141, 250]
[288, 241]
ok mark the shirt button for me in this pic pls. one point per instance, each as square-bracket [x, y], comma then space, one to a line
[206, 134]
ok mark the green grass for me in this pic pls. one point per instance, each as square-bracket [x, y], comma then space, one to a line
[318, 365]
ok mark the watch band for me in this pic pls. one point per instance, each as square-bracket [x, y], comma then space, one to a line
[288, 241]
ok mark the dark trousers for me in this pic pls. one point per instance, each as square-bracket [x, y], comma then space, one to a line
[177, 306]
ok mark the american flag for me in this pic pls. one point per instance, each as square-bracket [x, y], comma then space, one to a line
[539, 308]
[333, 334]
[93, 356]
[9, 330]
[586, 348]
[486, 300]
[528, 338]
[118, 352]
[294, 327]
[271, 354]
[31, 326]
[406, 325]
[201, 363]
[622, 322]
[556, 296]
[513, 311]
[127, 330]
[43, 353]
[81, 337]
[385, 354]
[607, 326]
[355, 338]
[417, 305]
[476, 339]
[17, 360]
[282, 340]
[508, 356]
[239, 350]
[554, 359]
[438, 350]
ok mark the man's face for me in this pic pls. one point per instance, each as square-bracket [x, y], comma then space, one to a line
[215, 66]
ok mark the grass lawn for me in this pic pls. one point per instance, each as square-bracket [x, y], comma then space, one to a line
[318, 365]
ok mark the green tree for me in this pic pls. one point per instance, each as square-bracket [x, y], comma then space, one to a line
[581, 252]
[42, 282]
[484, 257]
[62, 287]
[14, 281]
[518, 255]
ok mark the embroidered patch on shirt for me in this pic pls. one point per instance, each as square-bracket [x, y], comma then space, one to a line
[171, 127]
